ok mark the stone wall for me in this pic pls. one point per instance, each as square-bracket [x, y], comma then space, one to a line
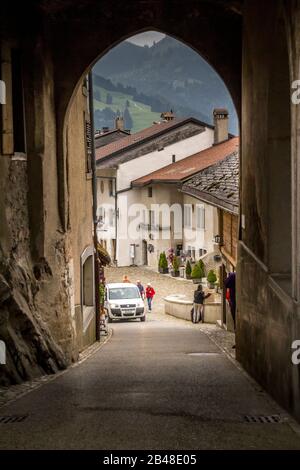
[37, 249]
[268, 316]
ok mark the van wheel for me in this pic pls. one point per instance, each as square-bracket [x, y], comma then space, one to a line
[143, 318]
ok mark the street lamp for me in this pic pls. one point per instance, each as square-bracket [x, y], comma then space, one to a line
[218, 239]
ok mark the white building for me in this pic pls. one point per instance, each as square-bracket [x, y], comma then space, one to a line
[122, 161]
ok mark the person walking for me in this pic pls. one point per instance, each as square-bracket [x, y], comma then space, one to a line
[198, 310]
[230, 285]
[150, 293]
[141, 289]
[125, 279]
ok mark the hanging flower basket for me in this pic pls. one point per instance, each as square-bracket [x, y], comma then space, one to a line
[103, 255]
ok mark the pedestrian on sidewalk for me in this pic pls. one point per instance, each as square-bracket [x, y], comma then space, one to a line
[150, 293]
[198, 309]
[141, 289]
[125, 279]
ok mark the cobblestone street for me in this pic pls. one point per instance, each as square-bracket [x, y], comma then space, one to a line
[165, 285]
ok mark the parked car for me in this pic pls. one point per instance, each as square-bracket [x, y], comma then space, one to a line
[123, 301]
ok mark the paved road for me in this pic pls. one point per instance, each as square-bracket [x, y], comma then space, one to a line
[144, 390]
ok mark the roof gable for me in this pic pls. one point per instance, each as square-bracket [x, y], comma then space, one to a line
[139, 138]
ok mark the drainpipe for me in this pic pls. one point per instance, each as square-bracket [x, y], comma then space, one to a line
[94, 188]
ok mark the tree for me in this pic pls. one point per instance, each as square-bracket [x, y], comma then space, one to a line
[163, 262]
[197, 272]
[127, 103]
[97, 95]
[175, 264]
[109, 99]
[211, 277]
[188, 269]
[128, 119]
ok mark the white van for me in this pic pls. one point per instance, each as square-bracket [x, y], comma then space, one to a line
[123, 300]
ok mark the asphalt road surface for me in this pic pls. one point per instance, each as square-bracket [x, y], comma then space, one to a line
[155, 385]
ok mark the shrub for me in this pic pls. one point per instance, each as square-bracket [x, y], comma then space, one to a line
[175, 264]
[211, 277]
[201, 264]
[198, 272]
[188, 268]
[163, 262]
[101, 293]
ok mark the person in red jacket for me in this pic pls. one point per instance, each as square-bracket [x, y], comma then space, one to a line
[150, 292]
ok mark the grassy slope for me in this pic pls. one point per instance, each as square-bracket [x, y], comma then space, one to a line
[141, 114]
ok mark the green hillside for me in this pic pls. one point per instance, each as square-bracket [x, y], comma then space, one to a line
[170, 75]
[111, 102]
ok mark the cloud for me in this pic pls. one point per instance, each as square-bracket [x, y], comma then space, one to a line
[146, 38]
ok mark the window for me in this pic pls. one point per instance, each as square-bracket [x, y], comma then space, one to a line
[111, 219]
[200, 217]
[18, 102]
[87, 277]
[124, 293]
[191, 252]
[187, 215]
[111, 187]
[202, 252]
[151, 219]
[102, 186]
[101, 215]
[150, 191]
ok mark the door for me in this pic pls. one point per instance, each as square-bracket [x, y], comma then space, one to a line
[145, 253]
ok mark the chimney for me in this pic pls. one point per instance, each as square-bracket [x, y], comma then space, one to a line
[168, 116]
[221, 125]
[119, 123]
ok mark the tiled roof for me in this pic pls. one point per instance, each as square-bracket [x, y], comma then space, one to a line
[181, 170]
[217, 185]
[139, 137]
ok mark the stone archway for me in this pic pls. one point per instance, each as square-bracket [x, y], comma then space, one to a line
[60, 41]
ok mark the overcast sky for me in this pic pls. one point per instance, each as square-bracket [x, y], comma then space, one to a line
[146, 38]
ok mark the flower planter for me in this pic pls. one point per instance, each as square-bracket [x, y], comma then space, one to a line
[197, 281]
[175, 273]
[164, 270]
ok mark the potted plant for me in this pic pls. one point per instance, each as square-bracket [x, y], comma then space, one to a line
[211, 278]
[202, 266]
[163, 263]
[188, 270]
[198, 272]
[175, 267]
